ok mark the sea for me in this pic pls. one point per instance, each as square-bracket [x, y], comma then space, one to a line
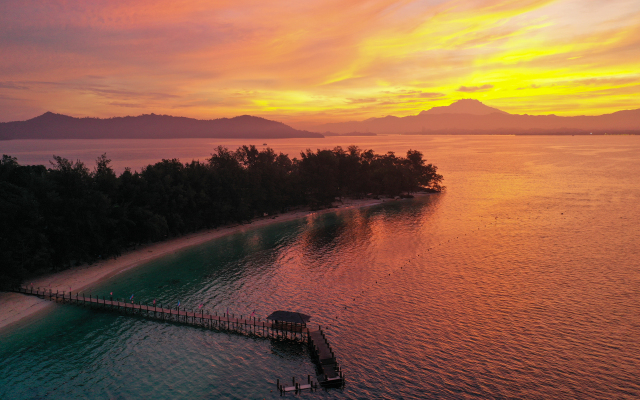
[520, 281]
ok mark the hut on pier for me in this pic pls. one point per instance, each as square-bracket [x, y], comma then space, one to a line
[289, 320]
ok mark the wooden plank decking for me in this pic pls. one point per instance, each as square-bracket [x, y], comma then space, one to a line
[326, 359]
[330, 372]
[287, 331]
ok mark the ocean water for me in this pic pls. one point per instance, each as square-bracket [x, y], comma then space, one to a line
[522, 280]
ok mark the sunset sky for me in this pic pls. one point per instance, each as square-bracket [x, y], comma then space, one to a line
[309, 62]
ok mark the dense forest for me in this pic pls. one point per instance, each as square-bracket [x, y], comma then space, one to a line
[56, 217]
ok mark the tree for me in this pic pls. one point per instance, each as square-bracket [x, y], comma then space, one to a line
[63, 215]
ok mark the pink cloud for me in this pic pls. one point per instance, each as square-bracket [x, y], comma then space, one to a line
[471, 89]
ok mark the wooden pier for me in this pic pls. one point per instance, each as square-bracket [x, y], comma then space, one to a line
[325, 359]
[330, 372]
[296, 386]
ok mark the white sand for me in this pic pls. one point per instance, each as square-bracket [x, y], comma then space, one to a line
[15, 307]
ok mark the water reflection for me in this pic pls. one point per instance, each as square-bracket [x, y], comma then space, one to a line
[520, 282]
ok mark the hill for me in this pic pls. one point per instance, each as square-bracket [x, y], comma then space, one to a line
[464, 106]
[148, 126]
[473, 117]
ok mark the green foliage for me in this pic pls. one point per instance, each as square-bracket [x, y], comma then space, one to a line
[52, 218]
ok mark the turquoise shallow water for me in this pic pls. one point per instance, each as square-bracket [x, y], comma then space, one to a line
[521, 281]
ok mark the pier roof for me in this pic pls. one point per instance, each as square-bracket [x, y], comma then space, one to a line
[289, 316]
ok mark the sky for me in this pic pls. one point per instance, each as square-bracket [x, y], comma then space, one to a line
[309, 62]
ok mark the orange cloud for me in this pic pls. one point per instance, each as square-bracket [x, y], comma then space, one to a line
[471, 89]
[318, 60]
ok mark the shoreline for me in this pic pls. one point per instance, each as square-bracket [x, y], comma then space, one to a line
[19, 309]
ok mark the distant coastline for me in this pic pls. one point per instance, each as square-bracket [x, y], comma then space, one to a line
[148, 126]
[326, 134]
[463, 117]
[521, 133]
[472, 117]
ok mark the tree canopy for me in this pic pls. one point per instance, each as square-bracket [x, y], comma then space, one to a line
[66, 214]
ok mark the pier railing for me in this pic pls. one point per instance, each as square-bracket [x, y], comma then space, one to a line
[224, 322]
[330, 372]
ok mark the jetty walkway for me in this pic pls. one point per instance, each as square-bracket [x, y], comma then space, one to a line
[329, 370]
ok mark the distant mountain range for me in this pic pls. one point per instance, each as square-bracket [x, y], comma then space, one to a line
[57, 126]
[473, 117]
[462, 117]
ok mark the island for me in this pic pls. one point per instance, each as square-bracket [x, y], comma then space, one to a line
[66, 214]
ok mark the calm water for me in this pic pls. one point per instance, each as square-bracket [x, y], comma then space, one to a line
[521, 281]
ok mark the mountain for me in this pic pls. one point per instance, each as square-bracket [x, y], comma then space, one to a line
[464, 106]
[473, 117]
[152, 126]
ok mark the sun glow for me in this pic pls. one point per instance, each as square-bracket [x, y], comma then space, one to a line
[317, 61]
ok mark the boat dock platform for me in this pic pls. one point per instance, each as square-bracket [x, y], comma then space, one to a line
[326, 359]
[296, 387]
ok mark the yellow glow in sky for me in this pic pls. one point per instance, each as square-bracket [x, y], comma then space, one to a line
[311, 62]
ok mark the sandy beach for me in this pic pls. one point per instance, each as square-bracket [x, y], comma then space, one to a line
[17, 309]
